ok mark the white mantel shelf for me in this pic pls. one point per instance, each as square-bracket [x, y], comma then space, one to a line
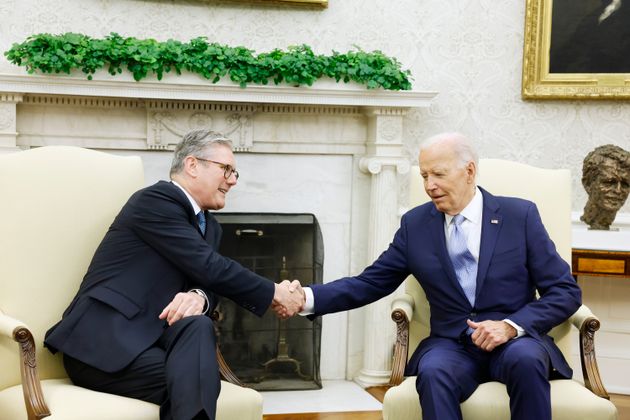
[193, 88]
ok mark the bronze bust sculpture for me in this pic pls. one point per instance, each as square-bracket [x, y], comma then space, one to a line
[606, 179]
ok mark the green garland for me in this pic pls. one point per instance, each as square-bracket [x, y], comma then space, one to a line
[297, 66]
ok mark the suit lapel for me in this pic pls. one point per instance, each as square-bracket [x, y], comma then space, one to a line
[213, 231]
[491, 221]
[183, 200]
[437, 232]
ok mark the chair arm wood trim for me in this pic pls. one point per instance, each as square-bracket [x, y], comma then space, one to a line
[590, 370]
[36, 407]
[400, 348]
[224, 369]
[226, 372]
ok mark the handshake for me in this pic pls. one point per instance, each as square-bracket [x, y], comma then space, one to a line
[288, 299]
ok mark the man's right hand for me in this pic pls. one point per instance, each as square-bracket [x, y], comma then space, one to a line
[183, 305]
[288, 299]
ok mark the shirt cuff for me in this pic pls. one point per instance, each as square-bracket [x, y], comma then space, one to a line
[309, 305]
[519, 331]
[203, 295]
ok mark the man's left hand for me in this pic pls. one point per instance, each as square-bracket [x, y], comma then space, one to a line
[488, 335]
[183, 305]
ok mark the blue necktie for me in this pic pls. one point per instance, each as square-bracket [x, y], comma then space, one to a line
[463, 261]
[201, 219]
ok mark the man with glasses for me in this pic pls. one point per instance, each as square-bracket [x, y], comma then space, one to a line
[138, 325]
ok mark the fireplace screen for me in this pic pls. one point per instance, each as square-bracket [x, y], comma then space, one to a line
[267, 353]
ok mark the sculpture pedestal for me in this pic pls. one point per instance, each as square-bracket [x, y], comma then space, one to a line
[601, 252]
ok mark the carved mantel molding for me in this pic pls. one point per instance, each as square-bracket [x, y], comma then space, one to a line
[177, 104]
[190, 87]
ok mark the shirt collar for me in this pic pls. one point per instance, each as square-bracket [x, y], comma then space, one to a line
[472, 212]
[193, 203]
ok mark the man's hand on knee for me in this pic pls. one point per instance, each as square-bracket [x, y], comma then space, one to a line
[488, 335]
[183, 305]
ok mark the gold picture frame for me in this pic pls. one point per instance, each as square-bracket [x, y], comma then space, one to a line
[571, 62]
[308, 3]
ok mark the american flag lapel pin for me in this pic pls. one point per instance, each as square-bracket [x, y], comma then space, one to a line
[494, 221]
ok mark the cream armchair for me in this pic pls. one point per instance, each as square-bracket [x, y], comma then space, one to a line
[57, 203]
[571, 400]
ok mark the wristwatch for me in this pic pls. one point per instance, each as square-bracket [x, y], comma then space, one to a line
[203, 295]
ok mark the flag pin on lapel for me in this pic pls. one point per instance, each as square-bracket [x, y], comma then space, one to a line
[494, 221]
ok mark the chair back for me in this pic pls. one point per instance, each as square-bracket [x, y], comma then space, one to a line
[57, 204]
[550, 189]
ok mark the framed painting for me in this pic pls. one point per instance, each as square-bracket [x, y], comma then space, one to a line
[576, 49]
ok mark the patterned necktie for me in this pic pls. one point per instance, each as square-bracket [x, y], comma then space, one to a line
[201, 219]
[463, 261]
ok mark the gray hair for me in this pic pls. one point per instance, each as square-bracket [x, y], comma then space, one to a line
[463, 147]
[195, 143]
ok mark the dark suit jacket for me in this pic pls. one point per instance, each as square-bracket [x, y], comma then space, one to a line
[516, 258]
[153, 250]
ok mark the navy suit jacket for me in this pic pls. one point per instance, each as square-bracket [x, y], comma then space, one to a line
[516, 259]
[153, 250]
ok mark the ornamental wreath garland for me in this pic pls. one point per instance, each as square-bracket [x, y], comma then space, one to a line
[296, 66]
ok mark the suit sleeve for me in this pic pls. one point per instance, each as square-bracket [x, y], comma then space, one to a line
[380, 279]
[162, 223]
[560, 296]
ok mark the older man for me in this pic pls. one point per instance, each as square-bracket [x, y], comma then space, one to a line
[480, 260]
[135, 327]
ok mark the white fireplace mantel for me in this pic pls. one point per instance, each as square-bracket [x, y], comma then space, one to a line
[341, 144]
[190, 87]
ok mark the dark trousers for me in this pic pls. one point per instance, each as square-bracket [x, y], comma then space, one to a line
[180, 372]
[450, 373]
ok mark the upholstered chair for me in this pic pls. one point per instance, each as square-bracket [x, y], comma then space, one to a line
[56, 205]
[571, 399]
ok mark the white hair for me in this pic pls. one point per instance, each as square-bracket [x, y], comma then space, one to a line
[463, 147]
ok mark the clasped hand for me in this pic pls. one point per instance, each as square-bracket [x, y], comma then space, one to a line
[488, 335]
[288, 299]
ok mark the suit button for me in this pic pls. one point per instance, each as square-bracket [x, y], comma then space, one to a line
[473, 314]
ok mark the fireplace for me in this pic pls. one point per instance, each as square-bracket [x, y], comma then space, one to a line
[334, 150]
[267, 353]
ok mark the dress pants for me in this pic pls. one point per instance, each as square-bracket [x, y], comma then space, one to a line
[449, 373]
[179, 372]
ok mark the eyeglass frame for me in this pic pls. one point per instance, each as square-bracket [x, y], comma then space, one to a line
[228, 170]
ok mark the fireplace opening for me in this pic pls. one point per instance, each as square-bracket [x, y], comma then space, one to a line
[266, 353]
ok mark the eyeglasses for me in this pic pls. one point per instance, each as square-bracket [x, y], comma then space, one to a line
[227, 169]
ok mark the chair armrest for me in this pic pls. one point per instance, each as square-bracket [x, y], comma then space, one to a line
[587, 323]
[224, 368]
[402, 311]
[36, 407]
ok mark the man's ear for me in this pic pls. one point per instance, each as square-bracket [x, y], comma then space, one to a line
[471, 171]
[191, 166]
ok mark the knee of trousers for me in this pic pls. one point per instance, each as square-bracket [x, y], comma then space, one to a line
[434, 372]
[199, 321]
[526, 360]
[197, 324]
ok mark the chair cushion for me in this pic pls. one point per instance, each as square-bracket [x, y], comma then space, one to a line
[70, 402]
[490, 402]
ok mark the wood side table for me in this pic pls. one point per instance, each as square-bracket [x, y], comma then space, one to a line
[600, 263]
